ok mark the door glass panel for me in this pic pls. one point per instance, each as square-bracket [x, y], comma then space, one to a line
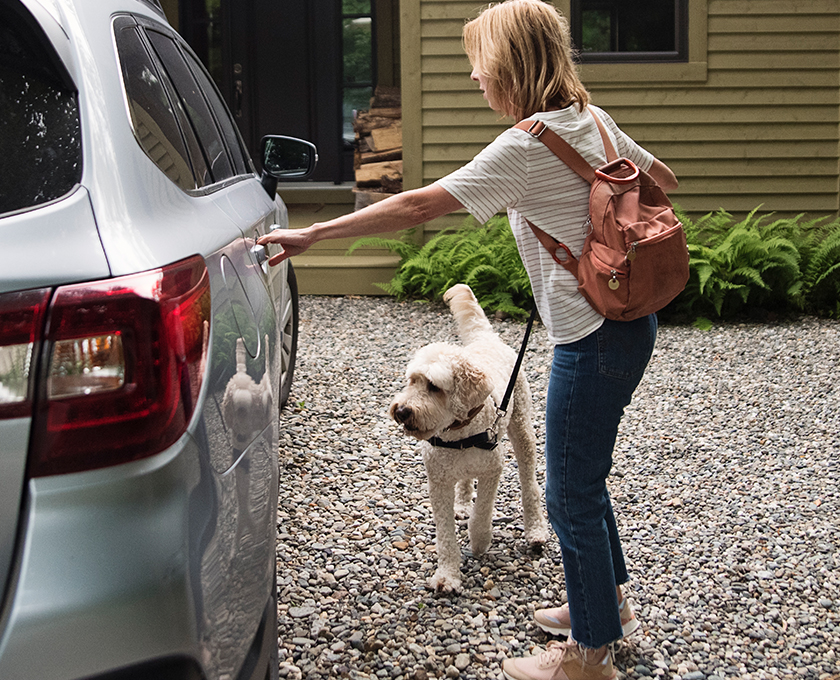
[202, 28]
[357, 81]
[214, 39]
[152, 116]
[195, 106]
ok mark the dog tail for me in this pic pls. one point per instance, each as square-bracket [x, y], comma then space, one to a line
[469, 316]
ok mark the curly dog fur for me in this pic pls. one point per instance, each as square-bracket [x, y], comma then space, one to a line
[453, 393]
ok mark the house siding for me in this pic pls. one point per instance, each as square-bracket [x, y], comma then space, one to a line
[753, 118]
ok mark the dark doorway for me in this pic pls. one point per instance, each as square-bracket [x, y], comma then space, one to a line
[294, 67]
[218, 31]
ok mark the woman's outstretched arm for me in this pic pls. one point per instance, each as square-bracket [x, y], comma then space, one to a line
[402, 211]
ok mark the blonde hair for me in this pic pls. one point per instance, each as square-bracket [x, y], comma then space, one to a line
[524, 49]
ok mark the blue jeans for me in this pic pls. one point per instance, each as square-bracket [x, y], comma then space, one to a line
[592, 381]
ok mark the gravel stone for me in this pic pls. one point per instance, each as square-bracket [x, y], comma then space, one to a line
[725, 487]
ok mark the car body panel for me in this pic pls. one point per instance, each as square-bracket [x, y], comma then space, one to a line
[50, 245]
[102, 577]
[115, 591]
[14, 435]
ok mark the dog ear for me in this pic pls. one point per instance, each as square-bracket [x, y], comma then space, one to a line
[440, 373]
[472, 385]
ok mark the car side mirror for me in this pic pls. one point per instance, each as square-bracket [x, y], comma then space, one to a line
[286, 158]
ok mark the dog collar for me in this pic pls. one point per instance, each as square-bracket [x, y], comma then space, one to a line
[486, 440]
[459, 424]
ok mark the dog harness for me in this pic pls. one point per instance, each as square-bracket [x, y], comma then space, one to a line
[487, 440]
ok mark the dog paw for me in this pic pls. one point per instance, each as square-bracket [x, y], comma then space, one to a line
[536, 537]
[462, 511]
[444, 584]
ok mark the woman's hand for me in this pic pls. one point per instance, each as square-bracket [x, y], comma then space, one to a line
[292, 241]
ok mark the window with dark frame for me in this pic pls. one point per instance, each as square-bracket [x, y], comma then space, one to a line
[197, 111]
[615, 31]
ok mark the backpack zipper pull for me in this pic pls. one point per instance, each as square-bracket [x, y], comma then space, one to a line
[613, 282]
[631, 254]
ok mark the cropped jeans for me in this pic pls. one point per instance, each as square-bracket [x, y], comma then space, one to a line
[592, 381]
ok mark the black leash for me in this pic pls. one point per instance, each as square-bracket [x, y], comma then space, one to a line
[503, 407]
[489, 439]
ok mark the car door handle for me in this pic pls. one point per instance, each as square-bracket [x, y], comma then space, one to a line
[260, 254]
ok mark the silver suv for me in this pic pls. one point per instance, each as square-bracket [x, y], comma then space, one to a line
[146, 349]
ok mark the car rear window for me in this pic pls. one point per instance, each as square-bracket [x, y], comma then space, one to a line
[40, 133]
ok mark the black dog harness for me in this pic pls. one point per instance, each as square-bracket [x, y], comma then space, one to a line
[489, 439]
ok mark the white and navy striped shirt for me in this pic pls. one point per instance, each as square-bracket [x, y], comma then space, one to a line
[518, 172]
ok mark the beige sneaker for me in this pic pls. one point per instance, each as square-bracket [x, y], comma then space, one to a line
[558, 622]
[561, 661]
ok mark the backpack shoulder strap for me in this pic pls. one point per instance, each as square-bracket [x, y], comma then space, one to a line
[563, 150]
[559, 146]
[612, 155]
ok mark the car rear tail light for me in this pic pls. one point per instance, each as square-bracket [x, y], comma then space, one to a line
[86, 365]
[21, 325]
[124, 361]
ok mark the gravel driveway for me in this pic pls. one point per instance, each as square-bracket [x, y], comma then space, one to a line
[725, 486]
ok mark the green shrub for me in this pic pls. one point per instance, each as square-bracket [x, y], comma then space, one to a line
[738, 265]
[784, 265]
[484, 257]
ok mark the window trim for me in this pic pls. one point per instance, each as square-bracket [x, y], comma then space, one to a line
[695, 70]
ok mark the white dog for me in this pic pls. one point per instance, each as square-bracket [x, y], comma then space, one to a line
[452, 398]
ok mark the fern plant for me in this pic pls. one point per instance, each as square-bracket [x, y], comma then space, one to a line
[819, 245]
[735, 265]
[484, 257]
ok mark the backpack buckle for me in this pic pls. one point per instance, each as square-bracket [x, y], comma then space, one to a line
[537, 125]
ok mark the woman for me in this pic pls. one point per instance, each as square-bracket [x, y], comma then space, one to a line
[522, 59]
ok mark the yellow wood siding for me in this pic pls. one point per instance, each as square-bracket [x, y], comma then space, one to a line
[752, 119]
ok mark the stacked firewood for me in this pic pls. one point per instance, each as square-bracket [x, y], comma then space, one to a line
[378, 157]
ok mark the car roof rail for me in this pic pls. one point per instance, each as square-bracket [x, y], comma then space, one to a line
[155, 5]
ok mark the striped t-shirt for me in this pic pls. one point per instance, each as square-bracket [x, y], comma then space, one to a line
[518, 172]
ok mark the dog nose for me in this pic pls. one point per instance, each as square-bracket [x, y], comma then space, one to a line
[402, 414]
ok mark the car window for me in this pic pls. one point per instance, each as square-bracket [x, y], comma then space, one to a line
[234, 141]
[195, 105]
[40, 133]
[152, 116]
